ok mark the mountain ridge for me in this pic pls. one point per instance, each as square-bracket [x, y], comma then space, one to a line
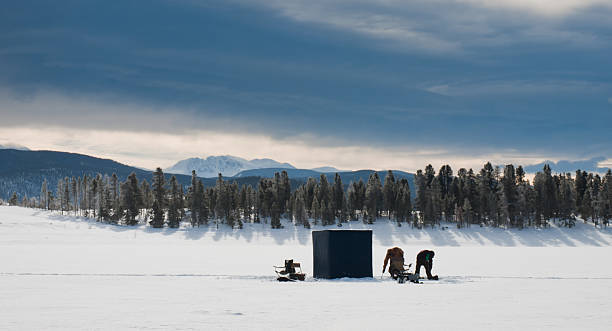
[227, 165]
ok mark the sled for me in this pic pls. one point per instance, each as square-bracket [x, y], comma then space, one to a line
[291, 272]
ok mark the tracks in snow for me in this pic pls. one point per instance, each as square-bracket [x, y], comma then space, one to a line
[443, 280]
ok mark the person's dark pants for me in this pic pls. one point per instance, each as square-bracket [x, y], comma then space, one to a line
[427, 264]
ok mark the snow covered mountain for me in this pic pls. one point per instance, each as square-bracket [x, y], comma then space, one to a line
[327, 169]
[24, 171]
[13, 146]
[227, 165]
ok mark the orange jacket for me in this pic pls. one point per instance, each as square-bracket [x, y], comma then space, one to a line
[393, 254]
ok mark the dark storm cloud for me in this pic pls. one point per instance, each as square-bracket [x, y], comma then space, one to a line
[441, 73]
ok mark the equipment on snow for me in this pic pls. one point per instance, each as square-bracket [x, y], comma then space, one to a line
[433, 278]
[291, 272]
[404, 275]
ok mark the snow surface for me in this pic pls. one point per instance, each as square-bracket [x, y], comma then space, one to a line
[62, 272]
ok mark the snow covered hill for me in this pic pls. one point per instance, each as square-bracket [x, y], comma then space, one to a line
[63, 272]
[13, 146]
[226, 164]
[24, 171]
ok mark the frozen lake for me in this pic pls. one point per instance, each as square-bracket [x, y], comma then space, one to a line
[61, 272]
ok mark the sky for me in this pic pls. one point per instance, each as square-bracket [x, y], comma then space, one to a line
[379, 84]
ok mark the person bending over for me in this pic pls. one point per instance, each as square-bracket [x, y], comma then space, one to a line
[396, 256]
[425, 259]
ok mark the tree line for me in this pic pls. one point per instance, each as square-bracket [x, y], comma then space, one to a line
[500, 197]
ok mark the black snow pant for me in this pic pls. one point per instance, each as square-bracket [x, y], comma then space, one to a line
[427, 264]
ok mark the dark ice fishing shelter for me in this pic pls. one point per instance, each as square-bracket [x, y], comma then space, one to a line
[342, 253]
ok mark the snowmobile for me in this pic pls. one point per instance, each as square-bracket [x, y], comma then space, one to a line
[291, 272]
[403, 274]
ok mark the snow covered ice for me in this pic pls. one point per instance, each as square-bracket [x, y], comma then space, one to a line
[63, 272]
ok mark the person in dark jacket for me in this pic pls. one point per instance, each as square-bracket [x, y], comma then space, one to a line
[425, 259]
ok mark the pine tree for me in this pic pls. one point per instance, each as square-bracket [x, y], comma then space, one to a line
[174, 204]
[108, 202]
[596, 198]
[103, 200]
[403, 205]
[607, 198]
[284, 191]
[233, 217]
[329, 214]
[130, 199]
[83, 189]
[509, 195]
[194, 198]
[299, 208]
[447, 199]
[203, 212]
[275, 216]
[305, 220]
[66, 195]
[223, 200]
[315, 210]
[343, 216]
[352, 204]
[309, 194]
[75, 195]
[435, 201]
[566, 197]
[421, 195]
[467, 211]
[93, 195]
[181, 202]
[323, 192]
[13, 201]
[374, 197]
[545, 196]
[124, 200]
[44, 195]
[357, 201]
[471, 192]
[487, 193]
[589, 198]
[59, 192]
[389, 194]
[580, 186]
[114, 197]
[147, 195]
[51, 202]
[159, 199]
[337, 196]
